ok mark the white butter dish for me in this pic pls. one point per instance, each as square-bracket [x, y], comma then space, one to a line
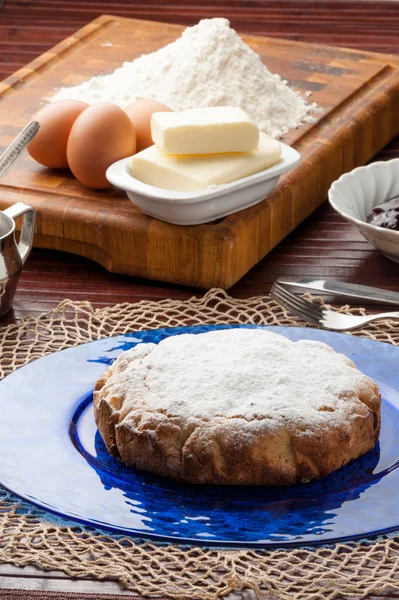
[194, 208]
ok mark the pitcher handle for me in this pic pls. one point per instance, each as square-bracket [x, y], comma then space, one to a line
[28, 227]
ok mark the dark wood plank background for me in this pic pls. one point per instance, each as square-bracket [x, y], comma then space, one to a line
[323, 246]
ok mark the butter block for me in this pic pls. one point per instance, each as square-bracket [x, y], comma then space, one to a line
[198, 172]
[204, 131]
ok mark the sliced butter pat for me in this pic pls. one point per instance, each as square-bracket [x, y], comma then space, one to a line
[191, 173]
[204, 131]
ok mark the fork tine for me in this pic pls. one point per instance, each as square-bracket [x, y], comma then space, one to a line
[323, 317]
[295, 311]
[300, 303]
[300, 310]
[314, 308]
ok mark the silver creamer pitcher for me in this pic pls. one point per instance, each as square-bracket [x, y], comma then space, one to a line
[13, 255]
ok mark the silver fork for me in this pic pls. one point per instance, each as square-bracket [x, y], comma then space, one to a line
[323, 317]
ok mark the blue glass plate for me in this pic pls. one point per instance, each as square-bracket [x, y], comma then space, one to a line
[53, 456]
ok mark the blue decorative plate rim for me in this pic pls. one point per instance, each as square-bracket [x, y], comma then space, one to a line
[369, 472]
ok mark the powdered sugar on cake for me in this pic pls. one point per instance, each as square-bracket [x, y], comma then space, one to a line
[238, 407]
[249, 373]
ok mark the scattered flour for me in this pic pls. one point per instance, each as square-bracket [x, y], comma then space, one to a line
[249, 373]
[209, 65]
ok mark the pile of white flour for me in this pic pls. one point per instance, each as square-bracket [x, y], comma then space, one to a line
[208, 66]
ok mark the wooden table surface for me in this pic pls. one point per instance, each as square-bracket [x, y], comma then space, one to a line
[323, 246]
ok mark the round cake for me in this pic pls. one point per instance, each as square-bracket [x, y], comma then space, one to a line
[236, 406]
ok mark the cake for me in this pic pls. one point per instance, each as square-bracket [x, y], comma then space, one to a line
[239, 406]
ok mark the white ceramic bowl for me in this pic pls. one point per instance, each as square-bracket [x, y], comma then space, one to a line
[193, 208]
[355, 194]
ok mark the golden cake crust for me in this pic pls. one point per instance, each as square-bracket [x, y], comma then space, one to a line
[272, 444]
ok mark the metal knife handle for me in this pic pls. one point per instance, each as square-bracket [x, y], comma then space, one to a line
[340, 288]
[17, 146]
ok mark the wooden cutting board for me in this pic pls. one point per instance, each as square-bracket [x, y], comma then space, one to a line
[359, 92]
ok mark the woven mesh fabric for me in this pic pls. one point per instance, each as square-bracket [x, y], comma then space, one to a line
[29, 536]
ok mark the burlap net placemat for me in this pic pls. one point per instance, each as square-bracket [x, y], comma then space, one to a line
[29, 536]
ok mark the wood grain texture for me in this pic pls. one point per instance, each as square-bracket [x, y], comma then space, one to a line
[358, 93]
[323, 246]
[50, 276]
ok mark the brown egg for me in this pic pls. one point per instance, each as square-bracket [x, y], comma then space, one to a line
[100, 136]
[139, 112]
[49, 146]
